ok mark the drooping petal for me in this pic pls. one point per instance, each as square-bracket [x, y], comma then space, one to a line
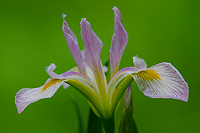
[73, 46]
[139, 63]
[162, 81]
[119, 41]
[26, 96]
[92, 51]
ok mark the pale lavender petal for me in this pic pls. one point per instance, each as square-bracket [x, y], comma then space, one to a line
[92, 51]
[167, 83]
[26, 96]
[119, 41]
[139, 63]
[73, 46]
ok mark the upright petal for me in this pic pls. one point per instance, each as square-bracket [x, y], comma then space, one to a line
[162, 81]
[73, 46]
[139, 63]
[119, 41]
[92, 51]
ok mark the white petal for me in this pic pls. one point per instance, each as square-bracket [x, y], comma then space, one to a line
[26, 96]
[65, 85]
[162, 81]
[139, 63]
[52, 74]
[105, 69]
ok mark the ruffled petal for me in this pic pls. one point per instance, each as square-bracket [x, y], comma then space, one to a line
[73, 46]
[119, 41]
[162, 81]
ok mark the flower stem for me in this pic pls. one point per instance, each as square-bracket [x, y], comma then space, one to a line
[109, 124]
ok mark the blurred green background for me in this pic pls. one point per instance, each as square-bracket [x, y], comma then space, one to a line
[159, 31]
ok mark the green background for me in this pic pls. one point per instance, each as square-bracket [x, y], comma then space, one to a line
[159, 31]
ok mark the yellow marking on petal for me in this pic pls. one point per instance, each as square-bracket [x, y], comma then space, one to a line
[148, 75]
[50, 83]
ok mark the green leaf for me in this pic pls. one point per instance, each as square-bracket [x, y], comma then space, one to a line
[81, 129]
[94, 123]
[127, 124]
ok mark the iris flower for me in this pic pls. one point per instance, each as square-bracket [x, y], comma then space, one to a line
[159, 81]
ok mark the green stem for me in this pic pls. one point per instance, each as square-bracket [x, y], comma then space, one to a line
[109, 124]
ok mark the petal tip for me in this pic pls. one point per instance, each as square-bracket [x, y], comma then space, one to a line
[114, 8]
[135, 57]
[51, 67]
[83, 21]
[63, 15]
[19, 104]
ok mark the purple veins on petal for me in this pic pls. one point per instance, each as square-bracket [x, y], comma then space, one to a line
[92, 51]
[73, 46]
[139, 63]
[160, 81]
[118, 43]
[26, 96]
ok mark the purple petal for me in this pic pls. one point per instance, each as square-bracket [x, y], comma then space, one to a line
[162, 81]
[119, 41]
[73, 46]
[92, 52]
[128, 97]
